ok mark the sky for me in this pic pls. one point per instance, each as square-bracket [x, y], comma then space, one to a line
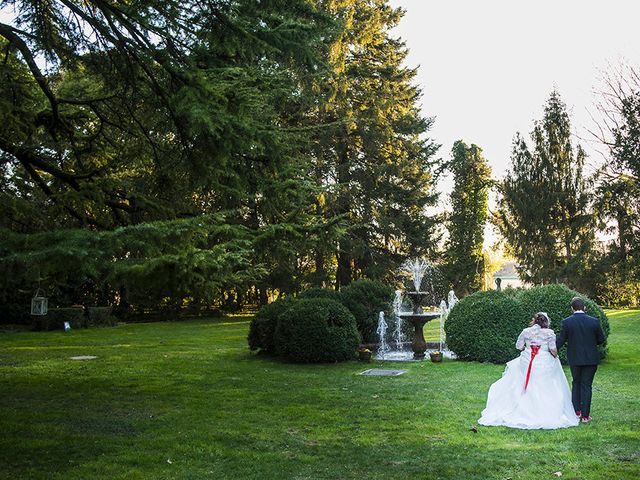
[487, 67]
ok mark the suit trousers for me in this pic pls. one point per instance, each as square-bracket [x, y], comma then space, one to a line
[581, 387]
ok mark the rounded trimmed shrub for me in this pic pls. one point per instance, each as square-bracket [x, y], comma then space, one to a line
[317, 330]
[555, 300]
[263, 325]
[484, 326]
[366, 299]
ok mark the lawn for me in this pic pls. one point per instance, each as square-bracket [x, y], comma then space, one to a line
[187, 400]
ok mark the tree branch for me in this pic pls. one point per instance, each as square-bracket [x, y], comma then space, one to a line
[11, 34]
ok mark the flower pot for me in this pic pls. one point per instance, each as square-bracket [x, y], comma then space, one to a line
[436, 357]
[364, 356]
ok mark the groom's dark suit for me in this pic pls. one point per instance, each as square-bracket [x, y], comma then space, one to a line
[583, 334]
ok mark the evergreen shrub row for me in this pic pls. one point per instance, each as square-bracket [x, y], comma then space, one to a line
[55, 318]
[76, 316]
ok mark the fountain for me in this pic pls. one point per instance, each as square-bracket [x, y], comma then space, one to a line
[417, 316]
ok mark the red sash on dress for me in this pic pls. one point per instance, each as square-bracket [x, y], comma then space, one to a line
[534, 352]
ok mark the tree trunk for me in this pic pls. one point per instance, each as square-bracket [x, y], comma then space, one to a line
[320, 276]
[263, 298]
[343, 275]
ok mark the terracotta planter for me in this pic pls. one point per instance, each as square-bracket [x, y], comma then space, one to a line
[436, 357]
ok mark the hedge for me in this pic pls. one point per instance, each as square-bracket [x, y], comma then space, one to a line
[484, 326]
[555, 301]
[366, 299]
[263, 325]
[316, 330]
[55, 318]
[100, 317]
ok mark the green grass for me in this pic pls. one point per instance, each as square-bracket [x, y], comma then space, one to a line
[188, 401]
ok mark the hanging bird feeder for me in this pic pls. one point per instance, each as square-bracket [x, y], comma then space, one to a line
[39, 303]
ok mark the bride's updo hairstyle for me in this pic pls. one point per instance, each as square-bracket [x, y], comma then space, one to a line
[541, 319]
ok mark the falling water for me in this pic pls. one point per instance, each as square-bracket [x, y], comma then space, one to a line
[444, 311]
[397, 302]
[452, 299]
[420, 270]
[398, 335]
[383, 347]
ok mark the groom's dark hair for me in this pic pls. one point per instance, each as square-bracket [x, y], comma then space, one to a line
[577, 303]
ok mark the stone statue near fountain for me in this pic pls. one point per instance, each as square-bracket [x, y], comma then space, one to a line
[422, 310]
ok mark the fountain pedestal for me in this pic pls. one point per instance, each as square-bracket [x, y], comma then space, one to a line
[418, 320]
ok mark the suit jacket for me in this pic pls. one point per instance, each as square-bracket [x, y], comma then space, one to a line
[582, 334]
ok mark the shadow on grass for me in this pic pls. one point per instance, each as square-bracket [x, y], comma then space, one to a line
[52, 425]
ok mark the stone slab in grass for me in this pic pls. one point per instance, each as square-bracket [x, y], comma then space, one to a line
[381, 373]
[83, 357]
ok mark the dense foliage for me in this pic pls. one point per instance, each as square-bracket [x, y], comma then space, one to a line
[316, 330]
[56, 318]
[555, 300]
[484, 326]
[318, 292]
[365, 299]
[263, 325]
[374, 157]
[295, 126]
[544, 209]
[294, 123]
[466, 222]
[100, 317]
[617, 203]
[164, 262]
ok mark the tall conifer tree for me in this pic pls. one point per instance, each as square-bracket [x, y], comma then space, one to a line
[466, 222]
[544, 206]
[376, 162]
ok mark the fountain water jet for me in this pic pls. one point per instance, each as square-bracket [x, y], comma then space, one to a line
[383, 347]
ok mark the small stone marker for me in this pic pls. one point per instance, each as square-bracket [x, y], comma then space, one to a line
[378, 372]
[83, 357]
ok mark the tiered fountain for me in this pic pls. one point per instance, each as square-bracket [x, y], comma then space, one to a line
[418, 315]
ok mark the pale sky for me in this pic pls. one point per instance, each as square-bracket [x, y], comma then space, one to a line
[487, 67]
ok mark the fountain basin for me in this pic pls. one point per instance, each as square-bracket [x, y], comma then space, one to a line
[425, 316]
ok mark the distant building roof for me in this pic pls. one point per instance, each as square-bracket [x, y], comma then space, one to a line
[508, 270]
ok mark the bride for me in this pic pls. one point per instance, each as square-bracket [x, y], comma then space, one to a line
[533, 391]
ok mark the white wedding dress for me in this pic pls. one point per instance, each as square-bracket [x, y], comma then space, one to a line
[546, 401]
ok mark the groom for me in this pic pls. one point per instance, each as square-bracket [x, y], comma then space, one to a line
[583, 334]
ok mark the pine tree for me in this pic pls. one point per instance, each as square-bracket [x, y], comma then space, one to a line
[544, 206]
[376, 163]
[467, 219]
[168, 110]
